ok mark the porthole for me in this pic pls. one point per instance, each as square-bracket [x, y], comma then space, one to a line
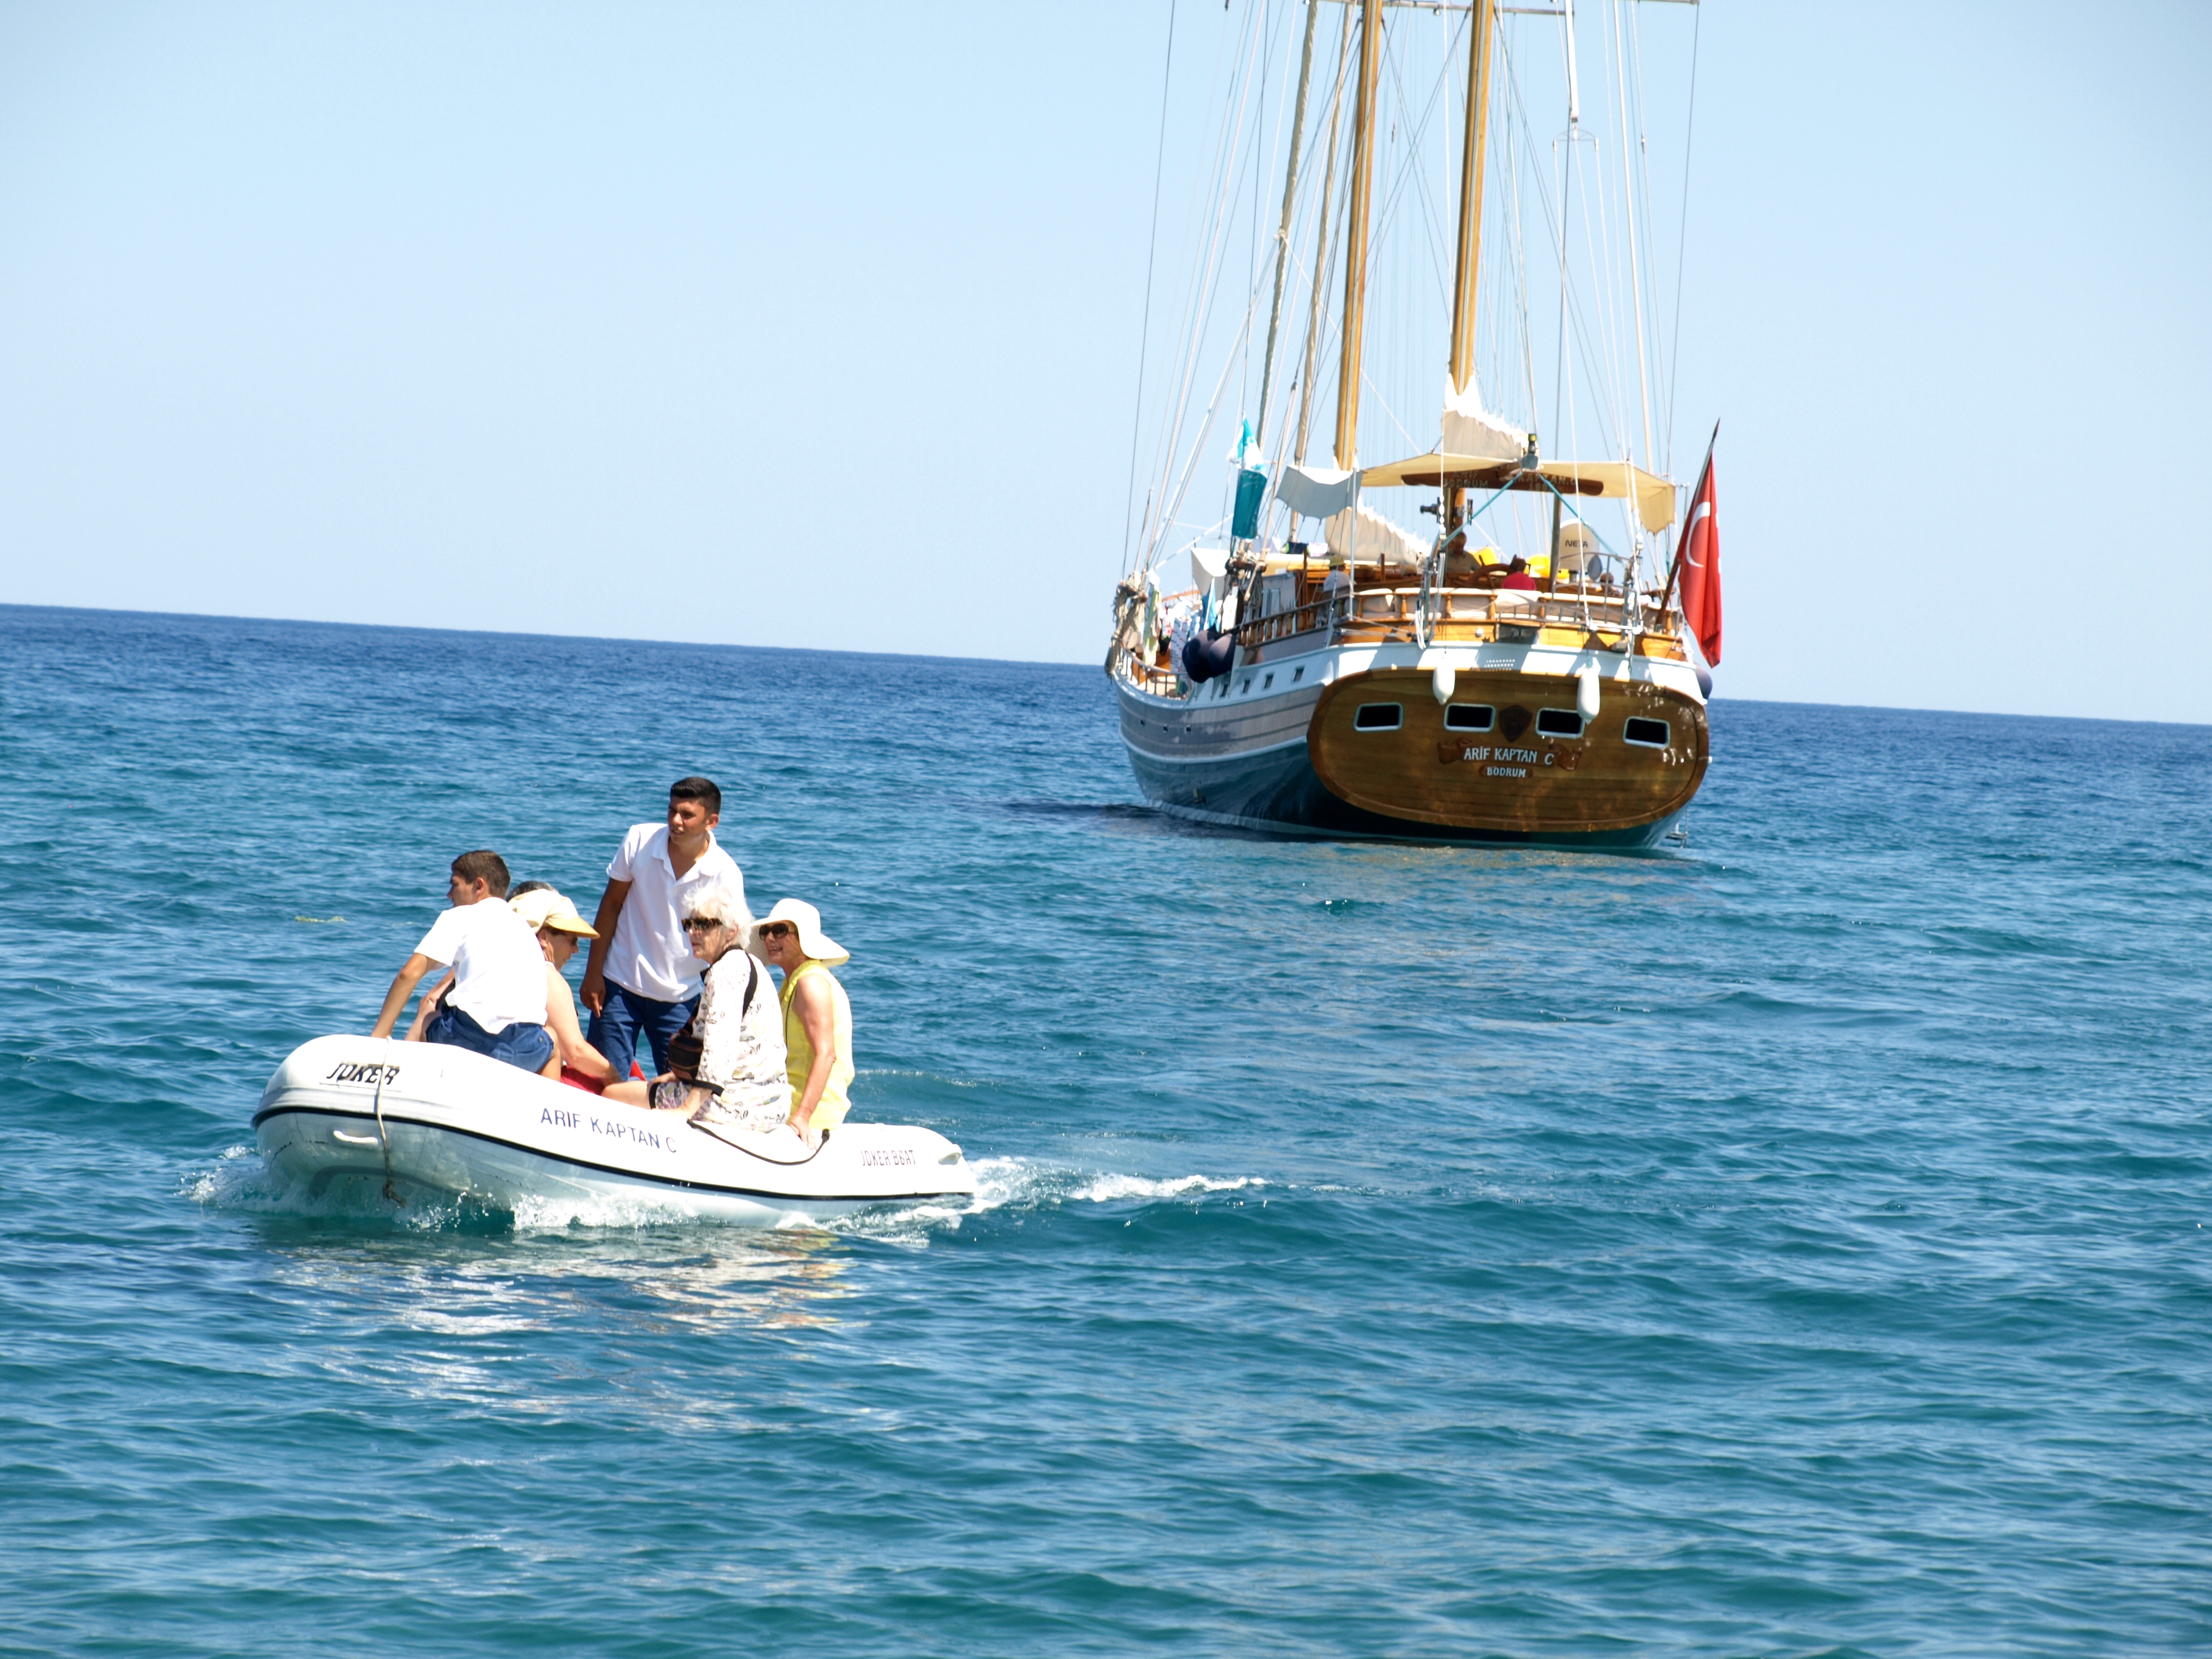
[1378, 717]
[1266, 683]
[1558, 723]
[1469, 717]
[1297, 674]
[1648, 735]
[1247, 686]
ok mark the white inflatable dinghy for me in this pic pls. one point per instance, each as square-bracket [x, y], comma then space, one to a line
[436, 1118]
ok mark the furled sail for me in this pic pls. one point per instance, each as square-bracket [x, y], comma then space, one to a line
[1364, 535]
[1470, 429]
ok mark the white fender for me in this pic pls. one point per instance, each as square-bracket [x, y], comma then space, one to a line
[1442, 680]
[1586, 693]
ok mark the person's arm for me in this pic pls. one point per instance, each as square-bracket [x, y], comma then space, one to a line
[595, 965]
[569, 1048]
[817, 1017]
[422, 1009]
[403, 987]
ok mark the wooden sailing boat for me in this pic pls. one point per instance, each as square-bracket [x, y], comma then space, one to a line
[1382, 684]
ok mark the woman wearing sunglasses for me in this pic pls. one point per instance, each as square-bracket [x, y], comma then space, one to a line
[738, 1078]
[817, 1017]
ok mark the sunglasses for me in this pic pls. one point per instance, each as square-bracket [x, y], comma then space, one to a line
[701, 925]
[779, 930]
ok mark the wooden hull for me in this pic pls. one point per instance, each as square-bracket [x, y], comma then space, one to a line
[1511, 779]
[1299, 763]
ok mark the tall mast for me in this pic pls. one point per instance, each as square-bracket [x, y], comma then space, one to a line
[1470, 199]
[1355, 241]
[1283, 235]
[1321, 252]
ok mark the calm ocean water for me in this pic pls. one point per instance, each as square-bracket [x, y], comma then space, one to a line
[1793, 1246]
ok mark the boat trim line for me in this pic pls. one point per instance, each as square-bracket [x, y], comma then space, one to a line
[262, 1116]
[1216, 758]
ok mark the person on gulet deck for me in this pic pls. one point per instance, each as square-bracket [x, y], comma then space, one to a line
[642, 978]
[818, 1016]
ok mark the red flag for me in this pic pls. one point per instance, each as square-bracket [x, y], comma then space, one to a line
[1701, 567]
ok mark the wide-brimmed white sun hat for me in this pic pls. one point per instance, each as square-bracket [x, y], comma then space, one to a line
[545, 908]
[812, 941]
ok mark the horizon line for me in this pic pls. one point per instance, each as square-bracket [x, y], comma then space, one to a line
[923, 656]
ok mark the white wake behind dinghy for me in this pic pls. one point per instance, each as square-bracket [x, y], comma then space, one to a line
[432, 1117]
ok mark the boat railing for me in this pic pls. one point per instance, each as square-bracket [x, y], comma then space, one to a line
[1459, 615]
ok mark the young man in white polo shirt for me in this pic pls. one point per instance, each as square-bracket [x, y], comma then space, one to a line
[497, 1005]
[643, 978]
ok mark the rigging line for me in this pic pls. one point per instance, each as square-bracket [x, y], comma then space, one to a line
[1514, 164]
[1207, 223]
[1628, 207]
[1386, 215]
[1682, 237]
[1570, 306]
[1200, 216]
[1607, 275]
[1290, 207]
[1206, 430]
[1206, 288]
[1566, 183]
[1259, 174]
[1662, 368]
[1410, 168]
[1151, 254]
[1324, 257]
[1367, 382]
[1208, 274]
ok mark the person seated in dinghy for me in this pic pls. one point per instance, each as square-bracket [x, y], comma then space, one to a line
[497, 1003]
[818, 1016]
[738, 1080]
[558, 926]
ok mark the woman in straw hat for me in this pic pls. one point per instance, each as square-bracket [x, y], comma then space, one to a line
[817, 1017]
[558, 926]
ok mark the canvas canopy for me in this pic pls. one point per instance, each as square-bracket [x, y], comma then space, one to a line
[1654, 495]
[1317, 492]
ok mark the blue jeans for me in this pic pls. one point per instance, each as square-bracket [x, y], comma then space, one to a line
[527, 1046]
[616, 1027]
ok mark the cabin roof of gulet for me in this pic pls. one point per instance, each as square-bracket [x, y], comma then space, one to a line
[1654, 495]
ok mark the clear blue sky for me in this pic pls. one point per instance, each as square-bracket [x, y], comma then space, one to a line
[818, 326]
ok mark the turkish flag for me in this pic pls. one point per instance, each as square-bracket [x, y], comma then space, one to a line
[1701, 567]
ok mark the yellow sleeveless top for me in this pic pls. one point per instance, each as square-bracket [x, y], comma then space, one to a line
[831, 1110]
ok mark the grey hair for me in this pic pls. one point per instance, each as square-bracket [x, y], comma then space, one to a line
[722, 902]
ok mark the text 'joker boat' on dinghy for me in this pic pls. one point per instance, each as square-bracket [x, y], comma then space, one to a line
[430, 1117]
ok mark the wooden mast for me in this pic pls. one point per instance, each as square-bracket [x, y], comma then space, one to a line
[1470, 223]
[1355, 241]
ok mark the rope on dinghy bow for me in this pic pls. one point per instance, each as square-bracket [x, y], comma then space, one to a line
[383, 1139]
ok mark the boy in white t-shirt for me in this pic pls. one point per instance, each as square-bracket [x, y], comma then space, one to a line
[497, 1005]
[642, 980]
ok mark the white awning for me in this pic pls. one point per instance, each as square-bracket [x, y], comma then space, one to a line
[1317, 492]
[1654, 495]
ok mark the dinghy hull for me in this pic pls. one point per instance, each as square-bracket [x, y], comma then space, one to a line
[434, 1119]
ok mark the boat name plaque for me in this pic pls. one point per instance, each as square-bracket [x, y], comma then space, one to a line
[354, 1070]
[561, 1118]
[1502, 756]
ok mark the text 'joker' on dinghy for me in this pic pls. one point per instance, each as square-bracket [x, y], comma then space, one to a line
[434, 1117]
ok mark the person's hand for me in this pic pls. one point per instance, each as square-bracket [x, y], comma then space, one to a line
[593, 995]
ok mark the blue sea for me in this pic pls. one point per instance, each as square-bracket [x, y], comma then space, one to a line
[1794, 1244]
